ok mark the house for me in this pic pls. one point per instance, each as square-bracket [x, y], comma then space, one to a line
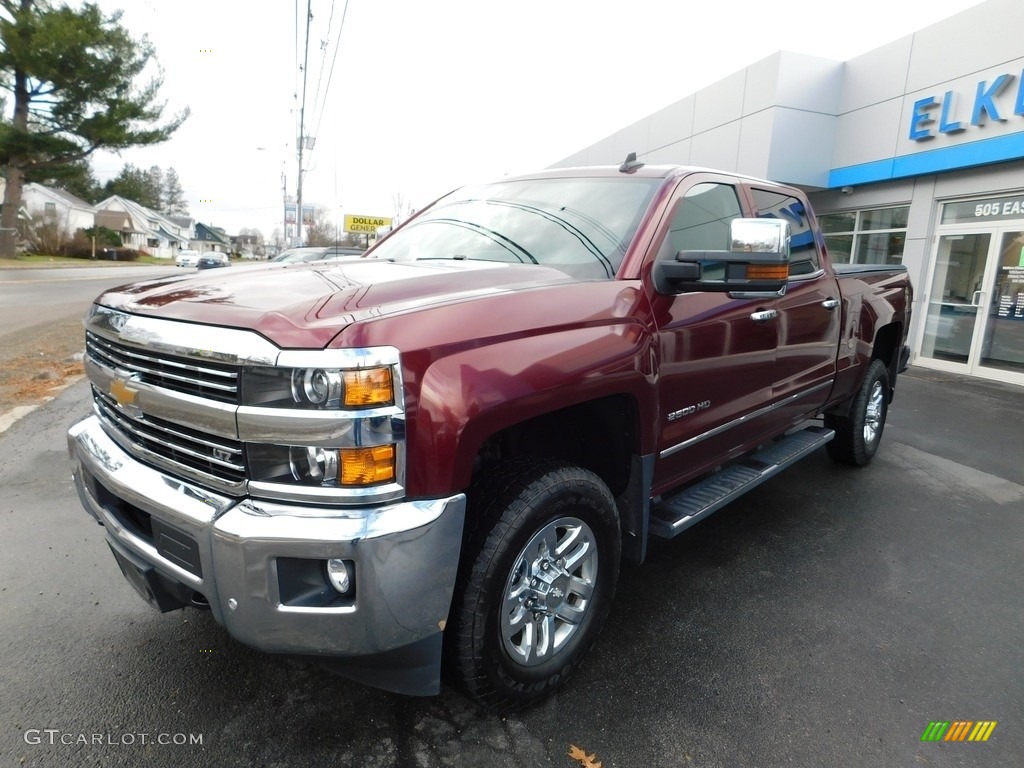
[71, 212]
[143, 228]
[211, 238]
[186, 224]
[39, 203]
[248, 246]
[118, 221]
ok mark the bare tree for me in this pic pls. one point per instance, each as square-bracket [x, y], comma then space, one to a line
[252, 239]
[48, 234]
[322, 230]
[398, 203]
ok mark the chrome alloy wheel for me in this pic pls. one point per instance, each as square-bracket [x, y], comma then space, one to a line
[874, 413]
[549, 591]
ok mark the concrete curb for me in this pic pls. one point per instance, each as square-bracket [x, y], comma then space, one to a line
[16, 414]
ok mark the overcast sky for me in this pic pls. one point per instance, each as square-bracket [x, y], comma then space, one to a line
[429, 95]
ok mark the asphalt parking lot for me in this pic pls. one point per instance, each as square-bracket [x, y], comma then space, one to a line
[825, 619]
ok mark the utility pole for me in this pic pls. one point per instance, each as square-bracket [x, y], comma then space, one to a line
[298, 196]
[302, 122]
[284, 206]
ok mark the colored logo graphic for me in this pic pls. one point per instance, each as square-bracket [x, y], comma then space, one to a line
[959, 730]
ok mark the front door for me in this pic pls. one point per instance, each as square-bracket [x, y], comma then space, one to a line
[1001, 336]
[717, 356]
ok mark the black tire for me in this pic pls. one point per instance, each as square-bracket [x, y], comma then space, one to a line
[509, 659]
[859, 431]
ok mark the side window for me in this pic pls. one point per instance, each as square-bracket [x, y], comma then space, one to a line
[803, 258]
[700, 221]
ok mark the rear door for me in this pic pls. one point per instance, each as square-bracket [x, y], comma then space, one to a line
[810, 313]
[716, 360]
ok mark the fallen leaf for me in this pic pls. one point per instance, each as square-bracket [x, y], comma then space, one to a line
[580, 756]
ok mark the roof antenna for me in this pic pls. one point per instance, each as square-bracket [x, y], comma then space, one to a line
[631, 164]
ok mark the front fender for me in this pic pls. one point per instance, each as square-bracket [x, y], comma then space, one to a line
[466, 397]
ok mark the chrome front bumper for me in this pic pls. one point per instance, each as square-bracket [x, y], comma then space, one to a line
[231, 553]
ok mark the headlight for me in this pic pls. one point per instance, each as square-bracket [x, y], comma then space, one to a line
[318, 388]
[324, 426]
[312, 465]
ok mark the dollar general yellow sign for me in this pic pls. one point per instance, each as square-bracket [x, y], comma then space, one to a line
[365, 223]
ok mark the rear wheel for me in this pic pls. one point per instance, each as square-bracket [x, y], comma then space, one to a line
[536, 583]
[859, 431]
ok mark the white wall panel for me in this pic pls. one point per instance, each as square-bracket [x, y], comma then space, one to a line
[868, 134]
[973, 39]
[876, 76]
[719, 103]
[717, 148]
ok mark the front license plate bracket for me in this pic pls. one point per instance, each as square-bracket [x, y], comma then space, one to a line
[160, 592]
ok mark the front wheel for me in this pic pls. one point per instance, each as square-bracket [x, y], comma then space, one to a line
[859, 431]
[536, 583]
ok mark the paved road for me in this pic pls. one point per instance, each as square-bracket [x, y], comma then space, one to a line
[30, 297]
[822, 620]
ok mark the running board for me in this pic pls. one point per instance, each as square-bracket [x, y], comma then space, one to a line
[674, 514]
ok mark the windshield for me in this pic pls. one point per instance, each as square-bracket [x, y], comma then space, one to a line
[294, 255]
[581, 226]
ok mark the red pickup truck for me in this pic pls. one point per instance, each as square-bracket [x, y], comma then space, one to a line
[434, 456]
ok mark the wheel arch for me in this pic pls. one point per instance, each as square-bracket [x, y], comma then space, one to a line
[886, 347]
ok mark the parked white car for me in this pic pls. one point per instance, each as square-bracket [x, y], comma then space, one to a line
[186, 258]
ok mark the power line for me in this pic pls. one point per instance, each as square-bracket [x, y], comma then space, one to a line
[302, 123]
[330, 75]
[323, 58]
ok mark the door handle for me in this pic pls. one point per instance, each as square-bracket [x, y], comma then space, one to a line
[764, 316]
[976, 298]
[830, 303]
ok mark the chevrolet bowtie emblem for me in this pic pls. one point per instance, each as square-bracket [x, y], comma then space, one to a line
[124, 395]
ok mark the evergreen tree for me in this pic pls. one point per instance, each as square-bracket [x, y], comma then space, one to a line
[72, 73]
[155, 188]
[174, 200]
[76, 177]
[134, 184]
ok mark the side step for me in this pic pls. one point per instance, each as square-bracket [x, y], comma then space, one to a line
[674, 514]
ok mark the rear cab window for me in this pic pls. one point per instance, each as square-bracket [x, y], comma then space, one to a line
[804, 258]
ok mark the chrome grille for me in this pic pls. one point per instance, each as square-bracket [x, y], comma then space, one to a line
[214, 381]
[214, 457]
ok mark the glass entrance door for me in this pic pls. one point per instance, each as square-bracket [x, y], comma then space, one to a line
[1002, 339]
[975, 314]
[957, 296]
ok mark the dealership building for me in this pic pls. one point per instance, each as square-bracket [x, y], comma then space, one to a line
[912, 154]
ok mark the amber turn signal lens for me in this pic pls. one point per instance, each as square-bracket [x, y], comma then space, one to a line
[767, 271]
[368, 466]
[369, 386]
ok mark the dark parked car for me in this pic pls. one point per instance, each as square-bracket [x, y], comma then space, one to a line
[212, 260]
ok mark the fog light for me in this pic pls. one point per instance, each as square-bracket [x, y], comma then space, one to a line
[340, 574]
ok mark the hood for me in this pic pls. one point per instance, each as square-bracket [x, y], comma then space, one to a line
[303, 306]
